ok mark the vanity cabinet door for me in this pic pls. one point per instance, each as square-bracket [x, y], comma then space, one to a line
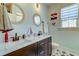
[42, 48]
[45, 47]
[49, 49]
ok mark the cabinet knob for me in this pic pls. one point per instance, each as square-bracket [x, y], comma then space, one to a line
[42, 43]
[42, 52]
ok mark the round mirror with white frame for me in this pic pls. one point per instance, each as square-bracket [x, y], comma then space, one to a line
[17, 14]
[37, 19]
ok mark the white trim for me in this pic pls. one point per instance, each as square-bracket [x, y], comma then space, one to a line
[69, 28]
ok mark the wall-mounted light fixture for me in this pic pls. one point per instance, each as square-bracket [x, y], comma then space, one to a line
[37, 7]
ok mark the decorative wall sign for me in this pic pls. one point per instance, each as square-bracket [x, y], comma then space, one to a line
[53, 18]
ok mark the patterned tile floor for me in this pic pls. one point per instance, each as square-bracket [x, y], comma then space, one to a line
[61, 52]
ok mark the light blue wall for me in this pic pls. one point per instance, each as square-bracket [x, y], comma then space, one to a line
[65, 38]
[29, 11]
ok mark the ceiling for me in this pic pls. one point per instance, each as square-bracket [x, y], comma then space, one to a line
[59, 4]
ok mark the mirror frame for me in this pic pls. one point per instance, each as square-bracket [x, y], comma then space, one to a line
[36, 14]
[21, 11]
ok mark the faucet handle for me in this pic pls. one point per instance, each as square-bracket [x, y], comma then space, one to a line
[18, 37]
[23, 36]
[13, 39]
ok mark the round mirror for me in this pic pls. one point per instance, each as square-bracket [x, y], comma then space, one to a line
[15, 13]
[37, 19]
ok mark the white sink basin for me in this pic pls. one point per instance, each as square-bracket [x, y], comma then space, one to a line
[11, 45]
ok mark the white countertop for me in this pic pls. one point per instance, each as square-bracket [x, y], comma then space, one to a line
[9, 47]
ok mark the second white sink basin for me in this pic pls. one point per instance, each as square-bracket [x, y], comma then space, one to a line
[11, 45]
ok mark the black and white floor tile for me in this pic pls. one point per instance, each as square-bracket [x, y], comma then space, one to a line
[61, 52]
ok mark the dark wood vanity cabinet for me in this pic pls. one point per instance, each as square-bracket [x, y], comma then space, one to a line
[40, 48]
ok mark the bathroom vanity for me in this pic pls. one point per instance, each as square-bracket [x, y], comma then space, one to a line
[31, 46]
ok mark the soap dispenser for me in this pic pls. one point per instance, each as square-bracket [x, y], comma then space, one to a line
[23, 36]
